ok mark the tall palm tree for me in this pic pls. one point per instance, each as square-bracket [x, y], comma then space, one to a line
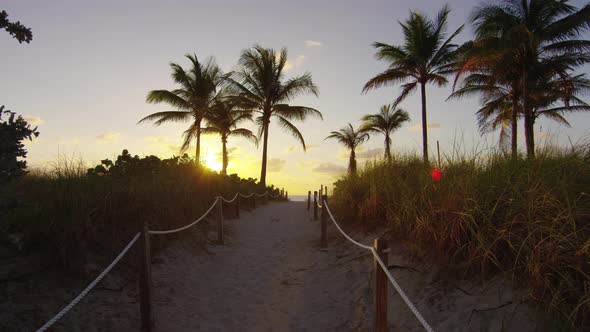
[223, 120]
[385, 122]
[260, 86]
[192, 99]
[425, 57]
[546, 42]
[350, 138]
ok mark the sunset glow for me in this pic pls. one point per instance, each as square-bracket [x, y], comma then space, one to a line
[211, 161]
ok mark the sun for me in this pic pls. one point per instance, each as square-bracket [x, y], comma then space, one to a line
[212, 162]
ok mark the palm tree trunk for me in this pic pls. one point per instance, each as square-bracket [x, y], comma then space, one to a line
[352, 163]
[387, 147]
[528, 118]
[198, 149]
[514, 136]
[265, 125]
[224, 154]
[424, 125]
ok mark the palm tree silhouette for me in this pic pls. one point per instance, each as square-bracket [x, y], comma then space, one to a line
[223, 120]
[193, 99]
[544, 36]
[261, 87]
[385, 122]
[425, 57]
[350, 138]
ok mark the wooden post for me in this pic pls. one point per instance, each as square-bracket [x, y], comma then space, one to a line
[145, 281]
[315, 205]
[326, 190]
[380, 287]
[308, 199]
[438, 152]
[220, 222]
[321, 191]
[238, 206]
[324, 238]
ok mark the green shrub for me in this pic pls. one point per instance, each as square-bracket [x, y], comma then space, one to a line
[489, 214]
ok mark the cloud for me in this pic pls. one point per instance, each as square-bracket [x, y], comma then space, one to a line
[275, 165]
[162, 144]
[290, 149]
[370, 153]
[312, 146]
[419, 127]
[298, 62]
[108, 137]
[312, 43]
[329, 168]
[33, 120]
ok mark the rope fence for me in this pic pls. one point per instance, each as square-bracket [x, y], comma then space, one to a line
[379, 255]
[145, 258]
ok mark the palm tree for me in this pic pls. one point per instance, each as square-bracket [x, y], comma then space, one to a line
[223, 120]
[261, 87]
[350, 138]
[545, 39]
[425, 57]
[385, 122]
[193, 99]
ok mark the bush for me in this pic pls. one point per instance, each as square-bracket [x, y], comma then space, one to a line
[72, 211]
[490, 214]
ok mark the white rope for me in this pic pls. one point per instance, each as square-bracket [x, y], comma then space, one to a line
[401, 292]
[262, 194]
[228, 201]
[341, 231]
[384, 268]
[247, 196]
[189, 225]
[89, 287]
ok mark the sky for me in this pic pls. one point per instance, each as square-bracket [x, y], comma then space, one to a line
[84, 77]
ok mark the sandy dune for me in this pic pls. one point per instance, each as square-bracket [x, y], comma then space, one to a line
[272, 276]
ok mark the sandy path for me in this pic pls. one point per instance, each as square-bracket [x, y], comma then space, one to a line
[270, 276]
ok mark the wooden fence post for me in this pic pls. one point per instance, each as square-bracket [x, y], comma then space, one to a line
[324, 238]
[220, 222]
[308, 199]
[326, 190]
[315, 205]
[238, 206]
[380, 287]
[321, 192]
[145, 280]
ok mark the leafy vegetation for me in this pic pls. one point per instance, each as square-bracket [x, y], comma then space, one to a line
[13, 131]
[351, 139]
[73, 211]
[488, 214]
[15, 29]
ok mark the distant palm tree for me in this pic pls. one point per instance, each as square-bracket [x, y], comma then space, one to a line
[545, 36]
[385, 122]
[350, 138]
[261, 87]
[193, 99]
[223, 120]
[425, 57]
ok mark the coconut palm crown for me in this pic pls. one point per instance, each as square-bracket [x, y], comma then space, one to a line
[223, 120]
[351, 139]
[192, 100]
[426, 56]
[385, 122]
[260, 86]
[546, 42]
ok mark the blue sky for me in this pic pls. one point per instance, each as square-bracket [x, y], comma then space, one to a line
[85, 75]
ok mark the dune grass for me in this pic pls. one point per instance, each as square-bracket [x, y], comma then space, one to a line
[489, 214]
[71, 212]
